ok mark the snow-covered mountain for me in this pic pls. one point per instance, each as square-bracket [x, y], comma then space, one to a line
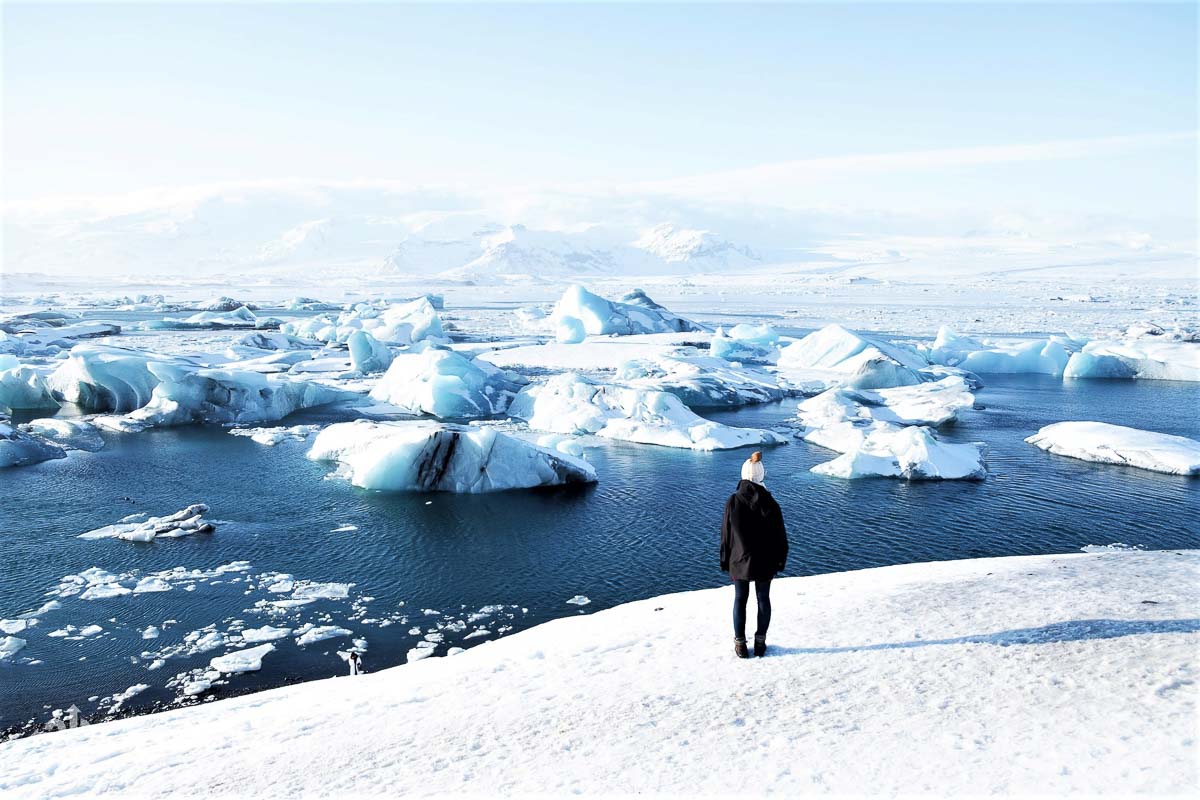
[697, 248]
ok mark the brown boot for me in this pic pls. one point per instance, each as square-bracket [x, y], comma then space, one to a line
[739, 648]
[760, 646]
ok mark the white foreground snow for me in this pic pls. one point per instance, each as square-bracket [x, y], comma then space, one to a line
[1035, 675]
[426, 457]
[1118, 444]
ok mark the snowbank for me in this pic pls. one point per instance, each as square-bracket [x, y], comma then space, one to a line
[430, 457]
[1117, 444]
[573, 404]
[446, 385]
[1011, 676]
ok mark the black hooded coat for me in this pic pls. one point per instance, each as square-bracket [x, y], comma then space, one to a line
[754, 544]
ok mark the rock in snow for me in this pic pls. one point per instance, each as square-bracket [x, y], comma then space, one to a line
[946, 679]
[1117, 444]
[573, 404]
[428, 457]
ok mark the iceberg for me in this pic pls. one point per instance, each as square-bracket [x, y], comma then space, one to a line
[703, 381]
[182, 523]
[71, 434]
[888, 433]
[22, 387]
[240, 317]
[368, 354]
[1033, 356]
[1145, 357]
[10, 646]
[426, 456]
[744, 342]
[870, 363]
[636, 313]
[447, 385]
[261, 340]
[398, 323]
[188, 395]
[19, 449]
[105, 378]
[1117, 444]
[572, 404]
[225, 304]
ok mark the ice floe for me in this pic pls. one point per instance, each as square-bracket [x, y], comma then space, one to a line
[444, 384]
[182, 523]
[18, 448]
[426, 456]
[248, 660]
[311, 634]
[1144, 357]
[392, 323]
[1117, 444]
[273, 436]
[368, 354]
[704, 381]
[572, 404]
[72, 434]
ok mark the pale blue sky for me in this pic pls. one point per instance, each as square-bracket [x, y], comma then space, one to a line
[104, 99]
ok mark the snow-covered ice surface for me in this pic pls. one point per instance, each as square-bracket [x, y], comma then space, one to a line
[1030, 675]
[1119, 444]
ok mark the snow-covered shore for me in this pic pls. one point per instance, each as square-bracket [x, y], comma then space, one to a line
[1011, 675]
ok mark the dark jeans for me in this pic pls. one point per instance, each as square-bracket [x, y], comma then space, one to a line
[741, 594]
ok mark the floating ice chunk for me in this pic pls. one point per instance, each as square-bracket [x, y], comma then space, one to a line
[225, 304]
[240, 317]
[344, 529]
[18, 449]
[104, 378]
[151, 632]
[72, 434]
[262, 340]
[22, 387]
[870, 363]
[530, 318]
[418, 653]
[249, 660]
[579, 600]
[273, 436]
[1117, 444]
[426, 456]
[326, 591]
[198, 686]
[913, 453]
[637, 314]
[1035, 356]
[309, 304]
[320, 633]
[182, 523]
[11, 626]
[447, 385]
[188, 395]
[573, 404]
[151, 584]
[10, 646]
[120, 698]
[1144, 357]
[266, 633]
[90, 630]
[1115, 547]
[398, 323]
[478, 633]
[934, 403]
[703, 381]
[367, 354]
[102, 591]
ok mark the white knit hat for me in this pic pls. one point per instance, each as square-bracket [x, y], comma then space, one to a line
[753, 471]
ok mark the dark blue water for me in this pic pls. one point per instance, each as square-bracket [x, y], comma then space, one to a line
[649, 527]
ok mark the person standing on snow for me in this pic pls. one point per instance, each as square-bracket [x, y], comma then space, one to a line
[355, 663]
[754, 547]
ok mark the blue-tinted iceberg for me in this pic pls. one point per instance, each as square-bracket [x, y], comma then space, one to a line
[637, 313]
[22, 387]
[448, 385]
[1033, 356]
[18, 448]
[866, 363]
[368, 354]
[422, 456]
[1144, 357]
[392, 323]
[573, 404]
[104, 378]
[744, 342]
[704, 381]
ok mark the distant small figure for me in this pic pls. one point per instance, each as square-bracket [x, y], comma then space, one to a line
[753, 469]
[355, 663]
[754, 547]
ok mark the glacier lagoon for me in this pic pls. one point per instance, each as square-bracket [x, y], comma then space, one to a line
[397, 570]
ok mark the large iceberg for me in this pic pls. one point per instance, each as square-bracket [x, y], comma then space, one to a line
[869, 363]
[392, 323]
[104, 378]
[1118, 444]
[579, 311]
[1145, 357]
[889, 433]
[426, 456]
[704, 381]
[187, 395]
[1038, 356]
[570, 403]
[22, 387]
[448, 385]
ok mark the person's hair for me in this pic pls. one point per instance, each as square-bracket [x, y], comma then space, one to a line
[756, 456]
